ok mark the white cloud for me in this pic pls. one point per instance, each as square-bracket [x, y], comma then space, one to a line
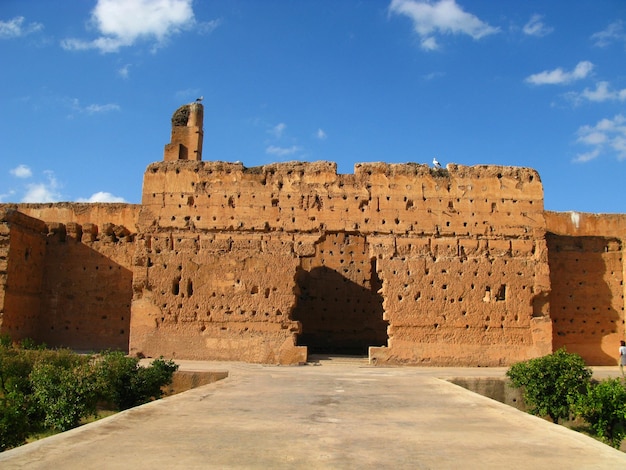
[441, 17]
[15, 28]
[603, 93]
[102, 196]
[101, 108]
[4, 196]
[122, 23]
[278, 130]
[282, 151]
[94, 108]
[536, 27]
[124, 71]
[433, 75]
[207, 27]
[613, 33]
[587, 157]
[608, 135]
[559, 76]
[21, 171]
[47, 191]
[321, 135]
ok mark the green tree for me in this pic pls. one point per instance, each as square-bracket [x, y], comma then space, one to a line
[604, 408]
[552, 383]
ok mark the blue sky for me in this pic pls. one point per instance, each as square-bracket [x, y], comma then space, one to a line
[88, 87]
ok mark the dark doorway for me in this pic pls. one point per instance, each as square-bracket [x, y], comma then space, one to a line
[338, 305]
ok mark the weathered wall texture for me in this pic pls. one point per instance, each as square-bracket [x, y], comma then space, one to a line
[414, 229]
[81, 213]
[22, 258]
[411, 265]
[87, 287]
[472, 286]
[587, 277]
[76, 292]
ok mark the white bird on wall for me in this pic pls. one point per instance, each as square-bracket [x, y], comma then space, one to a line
[436, 163]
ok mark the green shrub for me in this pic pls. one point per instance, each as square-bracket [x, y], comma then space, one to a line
[127, 384]
[551, 384]
[14, 421]
[604, 408]
[43, 389]
[65, 395]
[15, 366]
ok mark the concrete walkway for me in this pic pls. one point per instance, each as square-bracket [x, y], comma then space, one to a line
[336, 415]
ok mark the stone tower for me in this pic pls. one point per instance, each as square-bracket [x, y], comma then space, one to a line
[187, 134]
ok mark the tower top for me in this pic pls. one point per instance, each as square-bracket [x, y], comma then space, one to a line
[187, 133]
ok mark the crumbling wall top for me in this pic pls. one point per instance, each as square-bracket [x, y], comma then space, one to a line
[12, 216]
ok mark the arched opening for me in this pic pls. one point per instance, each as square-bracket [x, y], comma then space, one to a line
[338, 304]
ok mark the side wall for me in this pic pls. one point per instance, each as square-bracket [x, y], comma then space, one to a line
[81, 287]
[87, 287]
[587, 271]
[22, 260]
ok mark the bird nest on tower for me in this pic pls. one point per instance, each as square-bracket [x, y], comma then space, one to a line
[181, 116]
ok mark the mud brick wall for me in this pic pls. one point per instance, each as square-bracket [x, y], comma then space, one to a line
[470, 287]
[221, 296]
[81, 213]
[412, 228]
[587, 271]
[81, 286]
[86, 293]
[22, 259]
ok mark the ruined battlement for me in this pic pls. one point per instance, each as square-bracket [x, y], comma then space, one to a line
[377, 198]
[80, 212]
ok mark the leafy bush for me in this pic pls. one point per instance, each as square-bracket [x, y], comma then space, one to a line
[604, 408]
[127, 384]
[65, 395]
[14, 422]
[552, 383]
[42, 389]
[15, 392]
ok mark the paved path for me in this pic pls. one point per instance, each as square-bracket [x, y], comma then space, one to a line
[337, 415]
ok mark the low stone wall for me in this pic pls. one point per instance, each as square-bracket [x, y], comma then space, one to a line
[184, 380]
[498, 389]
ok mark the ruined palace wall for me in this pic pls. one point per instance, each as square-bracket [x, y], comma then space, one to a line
[308, 197]
[579, 224]
[476, 295]
[421, 225]
[221, 296]
[22, 259]
[86, 290]
[587, 271]
[81, 213]
[87, 286]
